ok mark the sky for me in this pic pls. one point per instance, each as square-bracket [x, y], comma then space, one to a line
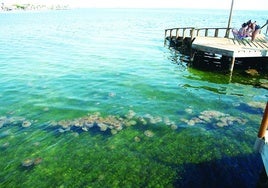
[204, 4]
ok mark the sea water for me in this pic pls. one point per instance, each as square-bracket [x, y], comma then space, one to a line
[93, 98]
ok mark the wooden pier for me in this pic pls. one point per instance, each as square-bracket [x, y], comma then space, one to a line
[219, 41]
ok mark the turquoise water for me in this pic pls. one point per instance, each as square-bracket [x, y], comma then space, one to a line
[93, 98]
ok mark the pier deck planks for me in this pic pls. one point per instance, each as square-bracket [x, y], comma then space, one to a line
[233, 47]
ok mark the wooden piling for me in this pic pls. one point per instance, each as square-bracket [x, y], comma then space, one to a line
[232, 64]
[264, 123]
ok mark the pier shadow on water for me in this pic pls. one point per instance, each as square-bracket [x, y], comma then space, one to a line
[241, 171]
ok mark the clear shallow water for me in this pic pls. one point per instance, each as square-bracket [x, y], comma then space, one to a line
[176, 121]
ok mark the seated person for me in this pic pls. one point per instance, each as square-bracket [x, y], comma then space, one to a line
[242, 32]
[253, 29]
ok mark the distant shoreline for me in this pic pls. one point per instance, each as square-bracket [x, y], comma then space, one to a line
[36, 7]
[31, 7]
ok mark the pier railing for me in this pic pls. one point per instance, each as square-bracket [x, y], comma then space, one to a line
[180, 32]
[265, 25]
[192, 32]
[213, 32]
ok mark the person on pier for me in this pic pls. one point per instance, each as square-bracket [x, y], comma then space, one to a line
[253, 29]
[242, 33]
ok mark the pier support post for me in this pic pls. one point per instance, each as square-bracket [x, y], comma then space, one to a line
[232, 64]
[165, 39]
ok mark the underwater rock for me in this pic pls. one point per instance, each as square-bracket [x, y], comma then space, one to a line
[255, 104]
[101, 177]
[137, 139]
[53, 123]
[75, 134]
[142, 121]
[5, 145]
[130, 123]
[30, 162]
[26, 124]
[167, 121]
[85, 123]
[189, 110]
[113, 131]
[191, 122]
[3, 119]
[46, 109]
[114, 124]
[148, 116]
[5, 133]
[61, 130]
[15, 120]
[153, 120]
[264, 85]
[130, 114]
[112, 94]
[85, 129]
[36, 144]
[2, 123]
[37, 160]
[78, 122]
[88, 123]
[158, 119]
[27, 162]
[174, 127]
[216, 118]
[148, 133]
[252, 72]
[64, 124]
[118, 127]
[102, 126]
